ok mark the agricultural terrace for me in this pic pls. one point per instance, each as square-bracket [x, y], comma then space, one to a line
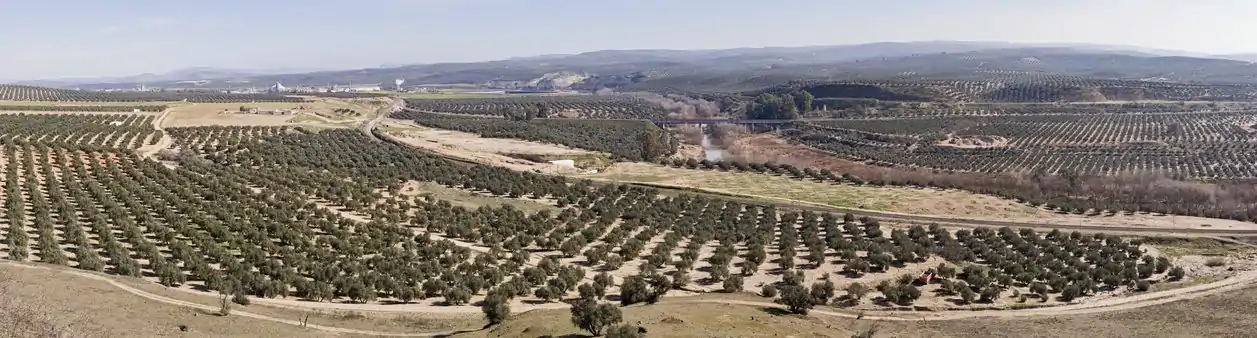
[30, 93]
[568, 106]
[874, 109]
[82, 108]
[1017, 87]
[316, 111]
[1192, 145]
[631, 140]
[122, 131]
[327, 217]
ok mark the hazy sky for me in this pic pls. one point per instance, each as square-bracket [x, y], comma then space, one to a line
[72, 38]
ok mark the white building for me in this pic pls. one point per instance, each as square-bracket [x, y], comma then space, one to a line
[357, 88]
[277, 88]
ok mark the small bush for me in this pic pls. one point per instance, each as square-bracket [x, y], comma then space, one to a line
[240, 298]
[797, 299]
[768, 291]
[496, 309]
[594, 317]
[733, 284]
[624, 331]
[1215, 262]
[1176, 273]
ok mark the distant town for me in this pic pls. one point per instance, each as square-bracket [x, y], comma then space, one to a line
[397, 86]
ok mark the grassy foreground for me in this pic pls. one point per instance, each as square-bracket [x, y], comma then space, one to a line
[1225, 315]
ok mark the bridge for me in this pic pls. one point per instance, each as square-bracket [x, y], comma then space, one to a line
[674, 122]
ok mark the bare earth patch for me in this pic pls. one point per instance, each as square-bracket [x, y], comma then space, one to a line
[480, 149]
[974, 141]
[228, 114]
[924, 201]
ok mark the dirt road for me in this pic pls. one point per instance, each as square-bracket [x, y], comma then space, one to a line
[165, 140]
[1240, 281]
[381, 114]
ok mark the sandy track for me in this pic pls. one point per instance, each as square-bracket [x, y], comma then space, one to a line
[165, 142]
[381, 114]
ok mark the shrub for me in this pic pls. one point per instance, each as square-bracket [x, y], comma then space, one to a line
[240, 298]
[1215, 262]
[547, 293]
[680, 279]
[614, 262]
[457, 296]
[797, 299]
[1163, 264]
[856, 291]
[967, 295]
[589, 315]
[822, 291]
[496, 309]
[1143, 285]
[634, 290]
[768, 291]
[624, 331]
[989, 294]
[1176, 273]
[732, 284]
[587, 291]
[1070, 292]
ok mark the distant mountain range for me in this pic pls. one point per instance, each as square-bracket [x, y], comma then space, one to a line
[739, 67]
[186, 74]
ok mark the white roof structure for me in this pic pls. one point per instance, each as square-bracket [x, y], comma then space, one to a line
[278, 87]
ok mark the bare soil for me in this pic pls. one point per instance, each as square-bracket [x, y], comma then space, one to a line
[480, 149]
[924, 201]
[974, 141]
[228, 114]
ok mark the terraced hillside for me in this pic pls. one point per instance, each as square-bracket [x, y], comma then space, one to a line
[333, 216]
[569, 106]
[632, 140]
[30, 93]
[1185, 145]
[1000, 87]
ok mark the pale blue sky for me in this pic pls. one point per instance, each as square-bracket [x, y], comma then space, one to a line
[72, 38]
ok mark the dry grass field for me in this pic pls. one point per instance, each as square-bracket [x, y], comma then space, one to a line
[319, 111]
[904, 200]
[1211, 316]
[98, 307]
[491, 151]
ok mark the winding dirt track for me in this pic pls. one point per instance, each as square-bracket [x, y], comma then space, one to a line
[1239, 281]
[165, 141]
